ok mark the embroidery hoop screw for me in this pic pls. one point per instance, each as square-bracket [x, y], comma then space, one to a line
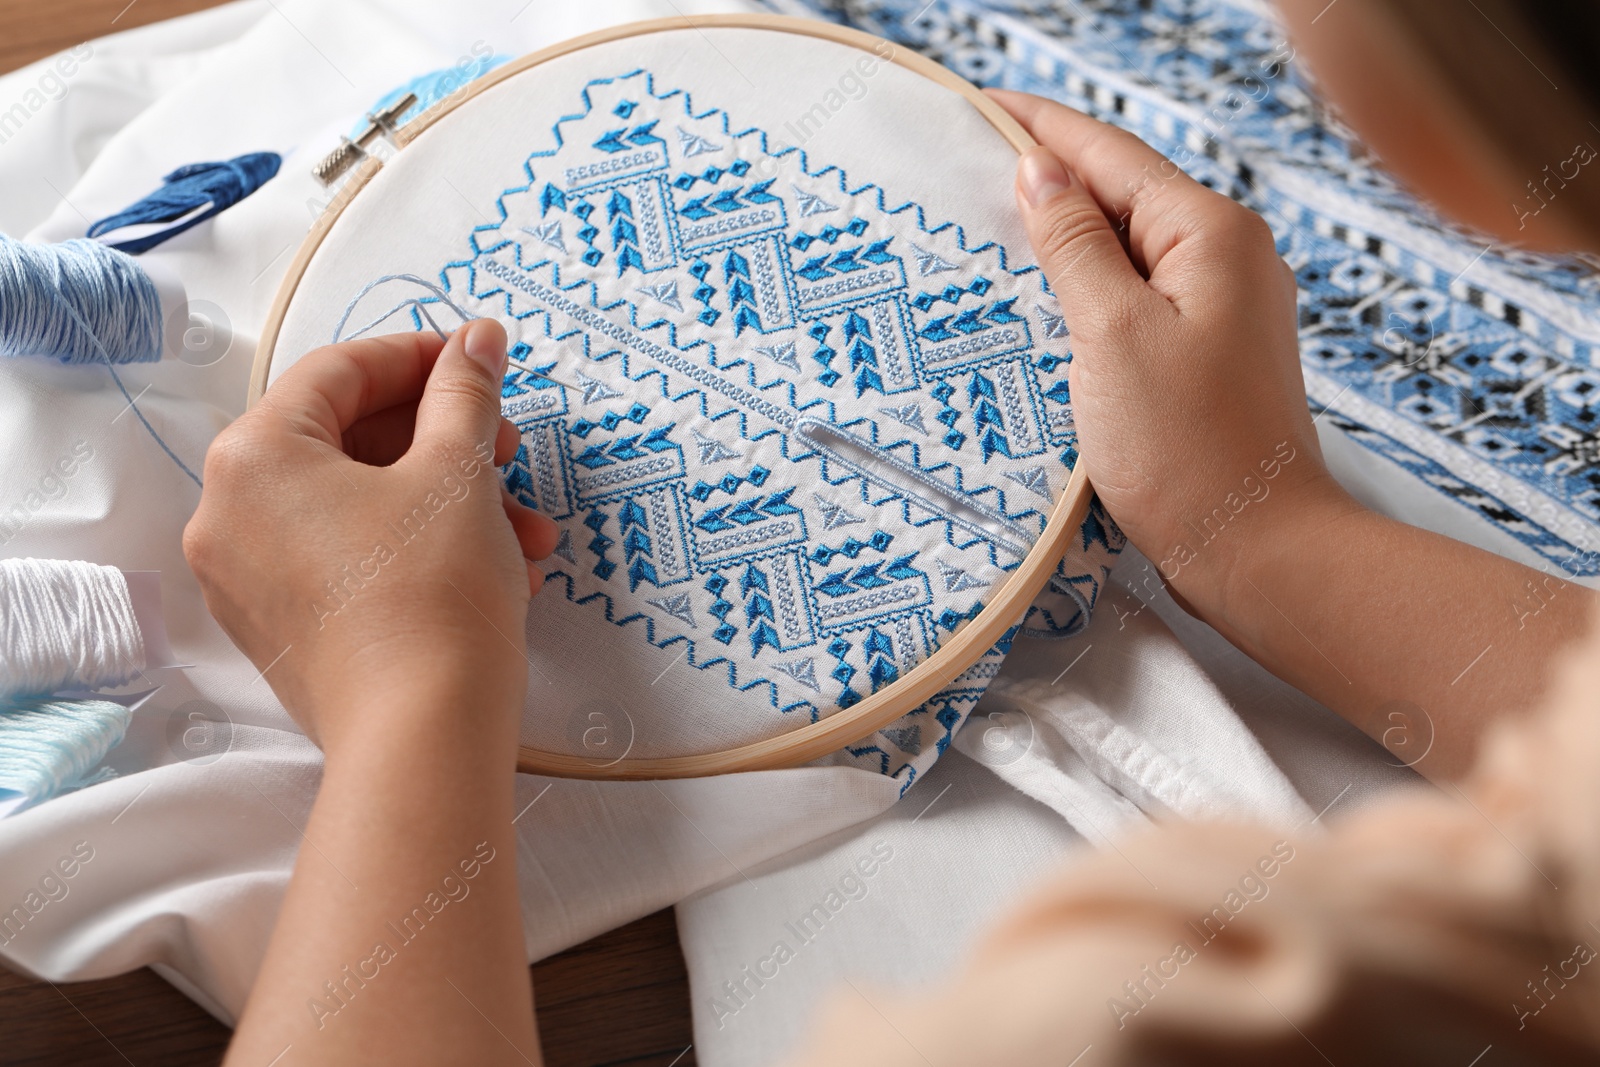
[349, 153]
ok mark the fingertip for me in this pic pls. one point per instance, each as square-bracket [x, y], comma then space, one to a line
[461, 402]
[1041, 177]
[547, 534]
[537, 533]
[506, 441]
[535, 578]
[485, 343]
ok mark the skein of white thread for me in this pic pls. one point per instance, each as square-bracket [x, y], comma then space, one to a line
[65, 624]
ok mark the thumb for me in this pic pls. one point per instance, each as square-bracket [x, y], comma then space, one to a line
[460, 404]
[1088, 268]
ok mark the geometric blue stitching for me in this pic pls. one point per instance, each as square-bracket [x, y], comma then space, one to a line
[625, 257]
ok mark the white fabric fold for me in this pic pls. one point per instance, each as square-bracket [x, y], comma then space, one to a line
[1139, 716]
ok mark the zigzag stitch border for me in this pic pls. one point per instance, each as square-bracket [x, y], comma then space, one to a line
[689, 655]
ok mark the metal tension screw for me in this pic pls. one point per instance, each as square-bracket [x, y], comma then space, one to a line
[349, 153]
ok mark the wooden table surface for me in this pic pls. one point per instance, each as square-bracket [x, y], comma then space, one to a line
[620, 998]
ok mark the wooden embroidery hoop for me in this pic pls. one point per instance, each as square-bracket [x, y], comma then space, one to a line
[917, 686]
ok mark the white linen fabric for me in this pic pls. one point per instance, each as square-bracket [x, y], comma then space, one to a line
[891, 902]
[193, 844]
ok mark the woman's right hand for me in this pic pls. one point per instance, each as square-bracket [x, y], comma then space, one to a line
[1185, 375]
[354, 539]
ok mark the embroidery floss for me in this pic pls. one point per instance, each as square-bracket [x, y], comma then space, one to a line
[48, 747]
[81, 302]
[115, 306]
[65, 624]
[187, 197]
[418, 306]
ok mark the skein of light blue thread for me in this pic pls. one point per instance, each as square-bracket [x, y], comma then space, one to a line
[50, 746]
[81, 302]
[118, 311]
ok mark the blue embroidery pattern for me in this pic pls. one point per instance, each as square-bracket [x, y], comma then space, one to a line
[781, 416]
[1471, 369]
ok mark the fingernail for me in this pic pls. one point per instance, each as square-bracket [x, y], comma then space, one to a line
[1041, 176]
[485, 347]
